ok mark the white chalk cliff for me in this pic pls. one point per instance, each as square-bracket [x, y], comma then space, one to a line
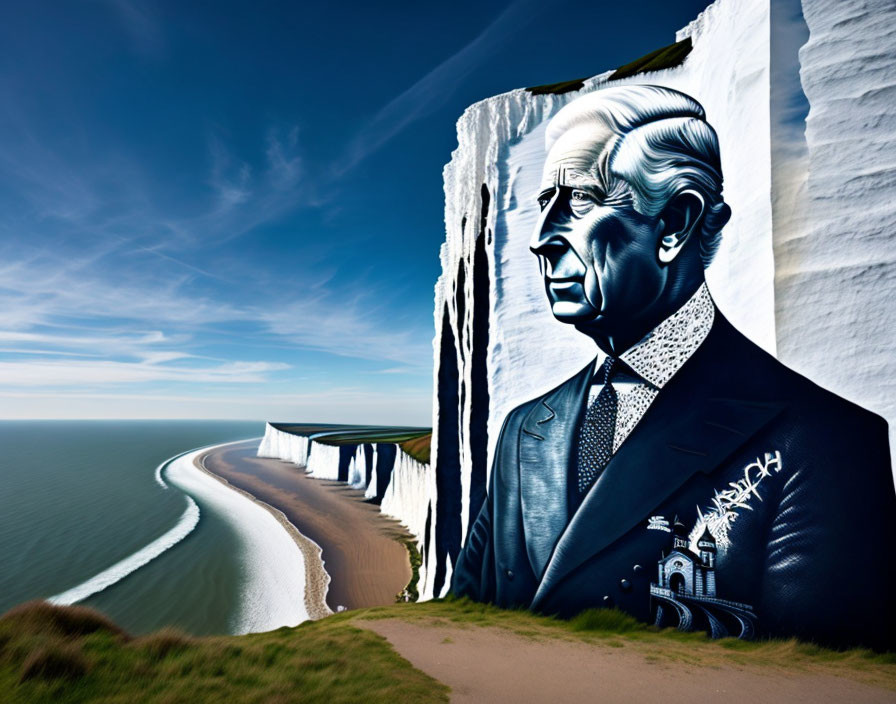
[386, 474]
[808, 280]
[806, 267]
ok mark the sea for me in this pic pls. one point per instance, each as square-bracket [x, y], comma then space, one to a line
[84, 509]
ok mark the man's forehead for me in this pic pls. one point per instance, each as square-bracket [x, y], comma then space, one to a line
[575, 158]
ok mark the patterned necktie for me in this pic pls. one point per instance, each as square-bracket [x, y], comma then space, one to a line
[598, 429]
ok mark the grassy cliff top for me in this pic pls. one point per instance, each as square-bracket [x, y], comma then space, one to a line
[75, 654]
[419, 448]
[665, 57]
[413, 441]
[662, 58]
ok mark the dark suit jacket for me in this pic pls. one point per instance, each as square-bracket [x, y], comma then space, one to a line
[811, 542]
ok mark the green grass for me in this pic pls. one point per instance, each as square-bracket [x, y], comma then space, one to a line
[54, 654]
[308, 428]
[415, 442]
[666, 57]
[77, 655]
[419, 447]
[410, 592]
[362, 435]
[558, 88]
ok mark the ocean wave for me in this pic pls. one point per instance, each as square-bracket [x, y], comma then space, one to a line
[159, 478]
[273, 582]
[188, 521]
[272, 589]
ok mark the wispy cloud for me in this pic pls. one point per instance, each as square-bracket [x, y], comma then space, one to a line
[116, 341]
[85, 373]
[140, 328]
[349, 328]
[107, 197]
[105, 281]
[350, 404]
[141, 24]
[245, 198]
[119, 271]
[435, 89]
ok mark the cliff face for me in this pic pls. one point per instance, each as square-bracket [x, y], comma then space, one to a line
[809, 280]
[836, 272]
[496, 342]
[284, 446]
[386, 474]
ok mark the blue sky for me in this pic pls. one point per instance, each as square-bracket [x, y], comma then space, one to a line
[234, 210]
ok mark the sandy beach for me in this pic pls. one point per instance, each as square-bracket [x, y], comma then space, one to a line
[360, 548]
[316, 577]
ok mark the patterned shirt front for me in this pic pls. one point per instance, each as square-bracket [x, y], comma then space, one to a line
[655, 360]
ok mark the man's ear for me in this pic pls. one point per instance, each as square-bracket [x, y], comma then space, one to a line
[681, 217]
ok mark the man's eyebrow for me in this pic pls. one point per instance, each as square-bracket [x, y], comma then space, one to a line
[593, 187]
[585, 180]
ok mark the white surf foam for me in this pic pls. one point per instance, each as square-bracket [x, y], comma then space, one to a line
[188, 521]
[114, 574]
[159, 479]
[273, 590]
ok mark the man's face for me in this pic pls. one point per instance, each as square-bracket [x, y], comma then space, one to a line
[599, 255]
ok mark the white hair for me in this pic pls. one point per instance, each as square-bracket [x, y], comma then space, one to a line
[661, 145]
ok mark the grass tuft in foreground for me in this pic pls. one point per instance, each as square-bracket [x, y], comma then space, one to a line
[52, 661]
[65, 654]
[69, 621]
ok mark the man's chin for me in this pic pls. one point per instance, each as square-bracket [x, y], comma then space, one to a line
[573, 313]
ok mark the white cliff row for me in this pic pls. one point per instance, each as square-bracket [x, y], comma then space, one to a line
[281, 445]
[371, 491]
[357, 474]
[406, 497]
[323, 461]
[382, 470]
[497, 343]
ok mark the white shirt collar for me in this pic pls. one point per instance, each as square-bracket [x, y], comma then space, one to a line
[665, 349]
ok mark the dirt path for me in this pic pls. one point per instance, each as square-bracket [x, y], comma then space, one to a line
[366, 564]
[494, 665]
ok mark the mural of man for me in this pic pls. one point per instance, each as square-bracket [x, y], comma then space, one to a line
[685, 476]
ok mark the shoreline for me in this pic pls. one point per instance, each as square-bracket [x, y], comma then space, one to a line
[317, 580]
[367, 561]
[273, 571]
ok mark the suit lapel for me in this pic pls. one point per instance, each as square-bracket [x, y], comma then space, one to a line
[547, 438]
[686, 430]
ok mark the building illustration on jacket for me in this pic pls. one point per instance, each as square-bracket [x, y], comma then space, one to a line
[686, 590]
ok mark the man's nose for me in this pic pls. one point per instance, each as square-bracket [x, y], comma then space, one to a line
[545, 233]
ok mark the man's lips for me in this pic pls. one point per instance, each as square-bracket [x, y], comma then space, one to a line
[564, 282]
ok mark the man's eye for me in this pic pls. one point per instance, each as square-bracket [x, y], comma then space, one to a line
[544, 201]
[580, 196]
